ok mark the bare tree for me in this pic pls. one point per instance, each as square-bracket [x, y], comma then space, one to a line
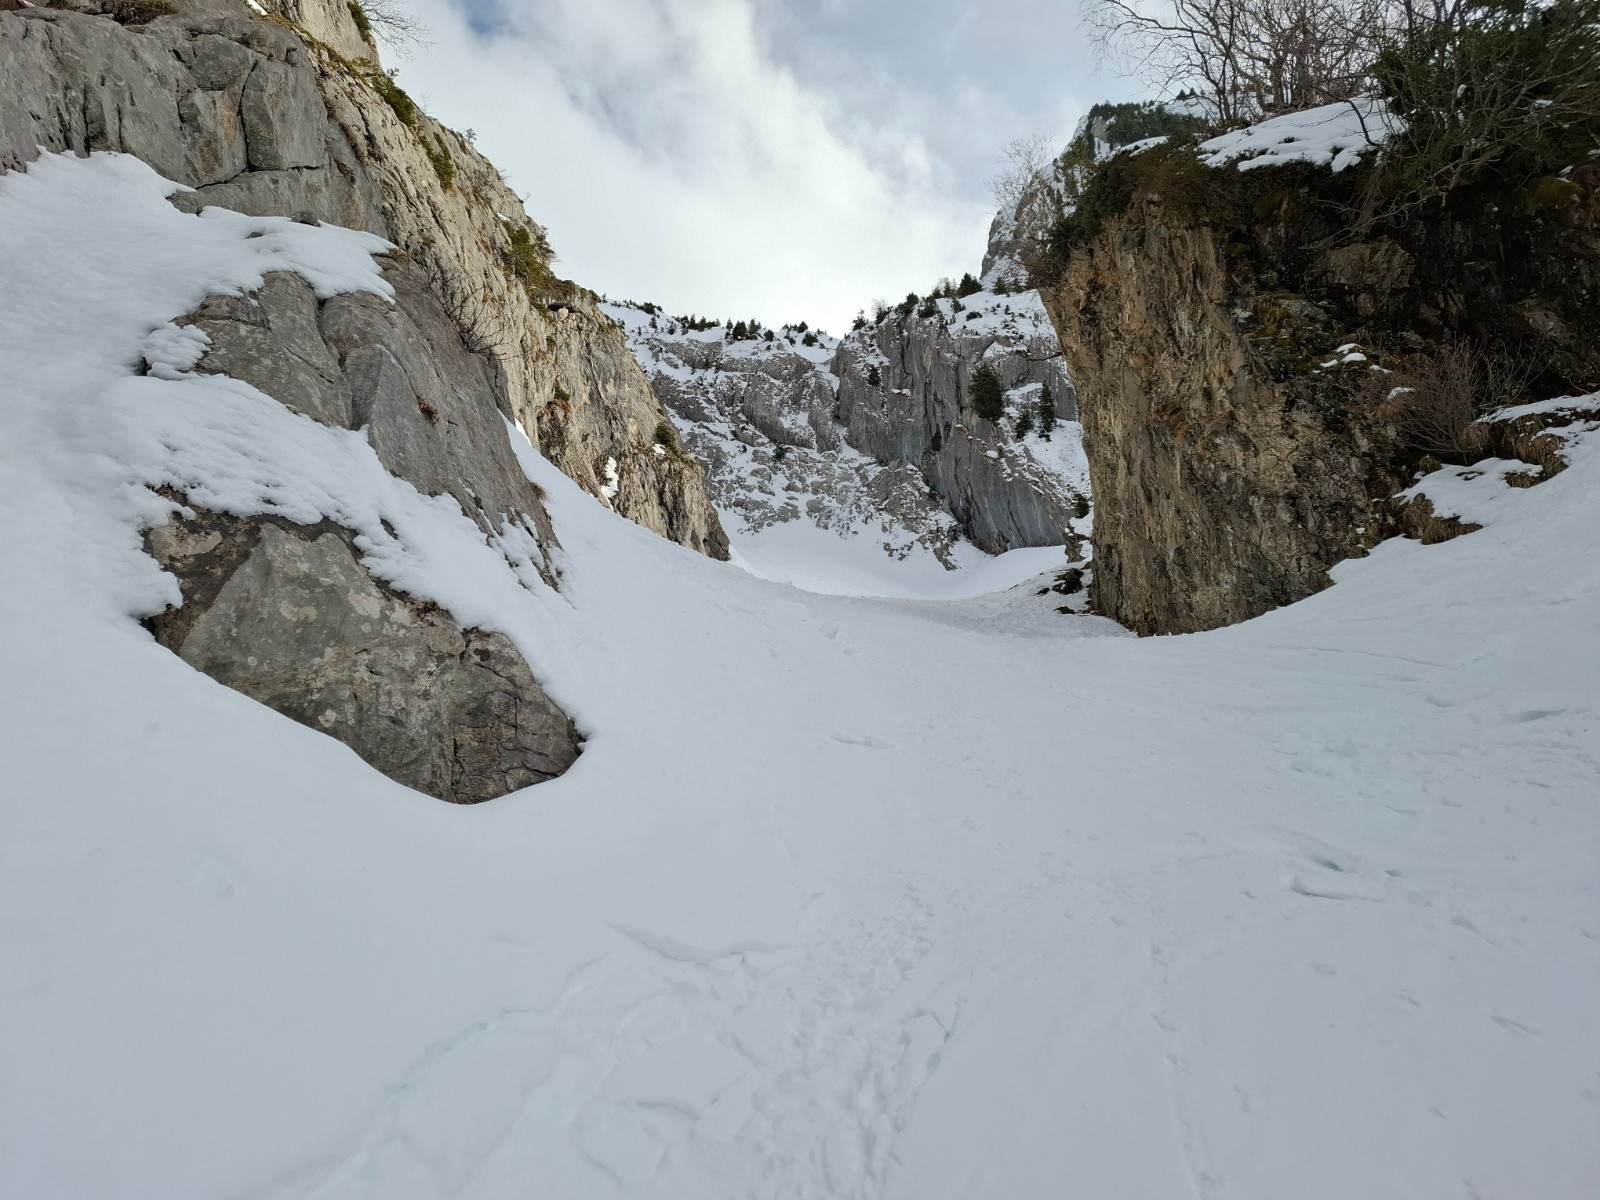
[1248, 58]
[1435, 400]
[1025, 163]
[391, 21]
[1482, 88]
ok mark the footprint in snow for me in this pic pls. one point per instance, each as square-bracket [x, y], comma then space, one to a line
[871, 743]
[1337, 886]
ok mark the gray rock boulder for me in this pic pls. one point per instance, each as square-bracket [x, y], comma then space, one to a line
[451, 712]
[433, 409]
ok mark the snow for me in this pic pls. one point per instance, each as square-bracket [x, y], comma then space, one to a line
[821, 560]
[846, 897]
[1587, 405]
[1334, 135]
[1139, 147]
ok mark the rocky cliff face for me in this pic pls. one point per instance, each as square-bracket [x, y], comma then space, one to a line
[1220, 497]
[761, 416]
[287, 113]
[286, 613]
[1246, 368]
[905, 384]
[874, 433]
[1017, 231]
[284, 113]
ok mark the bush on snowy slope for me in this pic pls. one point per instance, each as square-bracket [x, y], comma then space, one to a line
[1487, 96]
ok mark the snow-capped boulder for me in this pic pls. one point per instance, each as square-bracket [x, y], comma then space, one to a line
[452, 712]
[286, 613]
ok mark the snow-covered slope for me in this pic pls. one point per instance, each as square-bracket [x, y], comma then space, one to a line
[846, 897]
[842, 485]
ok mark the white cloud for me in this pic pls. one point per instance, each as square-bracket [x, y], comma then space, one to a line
[729, 157]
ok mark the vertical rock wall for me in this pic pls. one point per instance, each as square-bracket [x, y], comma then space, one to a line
[904, 396]
[289, 114]
[1233, 357]
[1217, 496]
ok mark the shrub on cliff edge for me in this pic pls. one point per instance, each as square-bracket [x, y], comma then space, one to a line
[987, 396]
[1499, 91]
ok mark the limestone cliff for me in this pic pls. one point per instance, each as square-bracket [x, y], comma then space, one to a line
[1249, 369]
[286, 112]
[874, 433]
[760, 413]
[1018, 229]
[905, 396]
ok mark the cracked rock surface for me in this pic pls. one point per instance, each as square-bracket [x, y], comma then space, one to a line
[283, 110]
[287, 614]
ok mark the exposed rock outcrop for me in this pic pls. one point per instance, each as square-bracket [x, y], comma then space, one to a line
[285, 112]
[1232, 342]
[287, 614]
[905, 397]
[873, 433]
[1017, 231]
[289, 114]
[760, 415]
[1219, 496]
[453, 713]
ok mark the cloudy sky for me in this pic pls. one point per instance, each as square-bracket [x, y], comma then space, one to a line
[782, 159]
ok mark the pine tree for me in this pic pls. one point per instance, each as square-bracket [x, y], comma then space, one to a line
[1047, 412]
[968, 285]
[874, 379]
[987, 396]
[1024, 425]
